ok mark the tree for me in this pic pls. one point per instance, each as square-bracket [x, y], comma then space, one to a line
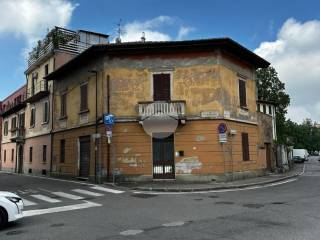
[270, 88]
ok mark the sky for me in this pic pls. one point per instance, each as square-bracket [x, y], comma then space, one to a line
[286, 33]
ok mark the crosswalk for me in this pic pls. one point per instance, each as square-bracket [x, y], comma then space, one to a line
[34, 198]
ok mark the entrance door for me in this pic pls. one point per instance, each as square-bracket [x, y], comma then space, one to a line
[163, 158]
[268, 155]
[84, 165]
[161, 87]
[20, 159]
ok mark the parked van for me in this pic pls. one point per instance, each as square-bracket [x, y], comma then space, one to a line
[300, 155]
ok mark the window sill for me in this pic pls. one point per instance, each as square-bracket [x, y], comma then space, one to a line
[83, 111]
[244, 108]
[63, 118]
[44, 123]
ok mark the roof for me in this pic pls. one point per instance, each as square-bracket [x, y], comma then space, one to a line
[225, 44]
[96, 33]
[22, 89]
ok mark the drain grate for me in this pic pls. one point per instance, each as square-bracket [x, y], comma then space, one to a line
[143, 195]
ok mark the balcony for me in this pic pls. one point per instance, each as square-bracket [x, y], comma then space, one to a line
[57, 39]
[37, 92]
[18, 134]
[175, 109]
[14, 106]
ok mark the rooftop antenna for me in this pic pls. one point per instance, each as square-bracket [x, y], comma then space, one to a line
[143, 37]
[119, 31]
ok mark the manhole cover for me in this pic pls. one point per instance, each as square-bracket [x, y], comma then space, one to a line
[143, 195]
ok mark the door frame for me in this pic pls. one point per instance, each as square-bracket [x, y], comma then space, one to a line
[171, 82]
[174, 161]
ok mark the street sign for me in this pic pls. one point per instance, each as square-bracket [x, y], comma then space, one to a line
[223, 138]
[222, 128]
[108, 119]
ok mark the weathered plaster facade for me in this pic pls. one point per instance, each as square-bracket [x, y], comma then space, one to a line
[206, 81]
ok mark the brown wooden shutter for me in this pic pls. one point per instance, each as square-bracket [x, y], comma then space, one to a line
[242, 93]
[84, 97]
[245, 147]
[63, 110]
[161, 87]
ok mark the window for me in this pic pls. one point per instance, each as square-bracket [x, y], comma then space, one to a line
[264, 108]
[21, 120]
[45, 112]
[258, 107]
[32, 117]
[242, 93]
[44, 153]
[245, 147]
[62, 150]
[30, 154]
[5, 129]
[13, 124]
[46, 69]
[270, 110]
[4, 155]
[12, 155]
[84, 97]
[63, 109]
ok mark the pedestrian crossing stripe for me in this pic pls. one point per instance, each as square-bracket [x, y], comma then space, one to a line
[109, 190]
[85, 192]
[45, 198]
[67, 195]
[27, 203]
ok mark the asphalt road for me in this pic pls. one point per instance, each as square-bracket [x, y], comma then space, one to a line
[287, 211]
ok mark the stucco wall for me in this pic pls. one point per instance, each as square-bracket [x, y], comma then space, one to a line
[8, 164]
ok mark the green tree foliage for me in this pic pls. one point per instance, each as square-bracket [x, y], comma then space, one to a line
[305, 135]
[270, 88]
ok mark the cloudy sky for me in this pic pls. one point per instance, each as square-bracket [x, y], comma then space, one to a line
[288, 35]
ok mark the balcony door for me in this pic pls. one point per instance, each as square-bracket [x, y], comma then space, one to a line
[161, 87]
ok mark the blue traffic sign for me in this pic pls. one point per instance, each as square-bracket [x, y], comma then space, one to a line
[108, 119]
[222, 128]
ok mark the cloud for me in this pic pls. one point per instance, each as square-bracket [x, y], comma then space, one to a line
[30, 19]
[184, 31]
[296, 56]
[153, 29]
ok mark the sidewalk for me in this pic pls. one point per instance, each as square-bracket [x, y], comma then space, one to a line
[173, 186]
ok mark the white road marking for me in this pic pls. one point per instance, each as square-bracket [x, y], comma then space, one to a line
[220, 191]
[109, 190]
[67, 195]
[174, 224]
[27, 203]
[45, 198]
[131, 232]
[60, 209]
[85, 192]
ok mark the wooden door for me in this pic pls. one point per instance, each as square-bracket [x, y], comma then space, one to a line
[84, 166]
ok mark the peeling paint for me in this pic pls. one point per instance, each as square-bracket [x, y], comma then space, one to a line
[200, 138]
[126, 150]
[187, 165]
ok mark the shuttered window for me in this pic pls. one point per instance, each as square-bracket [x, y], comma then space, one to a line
[21, 120]
[62, 150]
[12, 155]
[5, 128]
[32, 117]
[63, 107]
[5, 155]
[84, 97]
[13, 124]
[242, 93]
[45, 112]
[245, 147]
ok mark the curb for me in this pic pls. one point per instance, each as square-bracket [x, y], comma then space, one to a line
[241, 186]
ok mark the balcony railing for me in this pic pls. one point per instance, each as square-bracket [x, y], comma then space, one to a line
[13, 106]
[57, 39]
[18, 134]
[38, 91]
[162, 108]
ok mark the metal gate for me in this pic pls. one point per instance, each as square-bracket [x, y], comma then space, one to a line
[163, 158]
[84, 165]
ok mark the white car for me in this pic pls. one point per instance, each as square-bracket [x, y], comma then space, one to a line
[11, 208]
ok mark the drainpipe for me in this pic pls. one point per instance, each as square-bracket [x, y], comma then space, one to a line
[108, 111]
[96, 128]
